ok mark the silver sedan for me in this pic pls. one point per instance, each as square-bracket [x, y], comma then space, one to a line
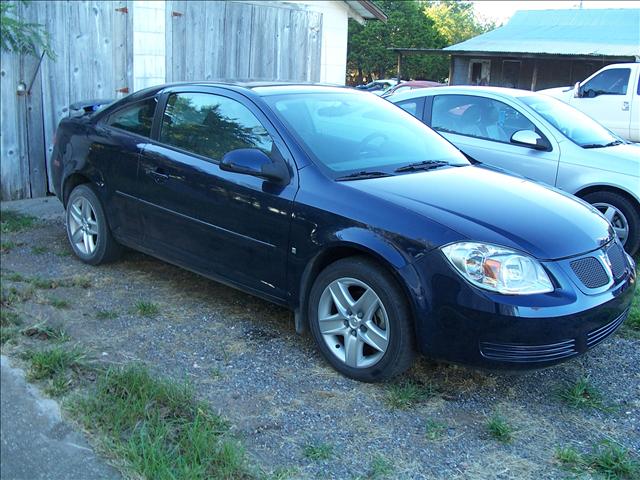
[542, 139]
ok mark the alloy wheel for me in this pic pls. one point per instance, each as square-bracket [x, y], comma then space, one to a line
[616, 218]
[353, 322]
[83, 226]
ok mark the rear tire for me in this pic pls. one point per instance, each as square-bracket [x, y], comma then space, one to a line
[361, 321]
[621, 213]
[87, 227]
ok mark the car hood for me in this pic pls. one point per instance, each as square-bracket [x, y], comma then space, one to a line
[559, 92]
[487, 206]
[624, 158]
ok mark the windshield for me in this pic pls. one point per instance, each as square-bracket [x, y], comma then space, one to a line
[572, 123]
[356, 132]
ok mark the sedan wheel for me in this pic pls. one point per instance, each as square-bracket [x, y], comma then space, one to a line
[83, 226]
[353, 322]
[360, 320]
[87, 227]
[616, 218]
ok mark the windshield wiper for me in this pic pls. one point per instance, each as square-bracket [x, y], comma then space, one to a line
[600, 145]
[424, 165]
[362, 175]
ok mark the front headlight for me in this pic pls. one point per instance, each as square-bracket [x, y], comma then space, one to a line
[498, 269]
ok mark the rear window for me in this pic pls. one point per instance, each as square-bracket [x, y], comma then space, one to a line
[136, 118]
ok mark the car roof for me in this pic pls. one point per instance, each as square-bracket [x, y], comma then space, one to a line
[462, 89]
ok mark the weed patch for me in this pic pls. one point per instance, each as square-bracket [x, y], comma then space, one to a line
[106, 314]
[59, 303]
[434, 430]
[12, 222]
[631, 326]
[159, 428]
[606, 460]
[53, 361]
[381, 467]
[42, 331]
[582, 394]
[318, 451]
[499, 428]
[147, 309]
[6, 247]
[39, 250]
[406, 394]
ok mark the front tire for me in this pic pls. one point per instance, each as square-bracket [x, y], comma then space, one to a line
[622, 214]
[87, 227]
[360, 320]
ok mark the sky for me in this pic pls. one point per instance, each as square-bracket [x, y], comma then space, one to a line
[501, 11]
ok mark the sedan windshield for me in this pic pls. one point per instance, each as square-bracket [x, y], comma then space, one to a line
[358, 132]
[572, 123]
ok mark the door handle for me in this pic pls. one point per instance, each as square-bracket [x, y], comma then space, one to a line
[625, 106]
[159, 176]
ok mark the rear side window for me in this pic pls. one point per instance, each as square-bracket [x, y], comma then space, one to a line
[211, 125]
[477, 117]
[413, 106]
[136, 118]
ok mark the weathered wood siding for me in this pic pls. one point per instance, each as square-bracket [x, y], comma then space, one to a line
[92, 41]
[242, 41]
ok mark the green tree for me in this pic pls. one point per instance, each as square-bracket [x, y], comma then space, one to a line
[410, 24]
[22, 37]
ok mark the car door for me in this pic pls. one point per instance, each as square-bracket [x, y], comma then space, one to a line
[482, 128]
[228, 225]
[607, 97]
[122, 135]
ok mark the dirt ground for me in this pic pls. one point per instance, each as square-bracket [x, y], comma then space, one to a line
[244, 358]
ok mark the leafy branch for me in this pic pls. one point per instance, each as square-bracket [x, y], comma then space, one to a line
[22, 37]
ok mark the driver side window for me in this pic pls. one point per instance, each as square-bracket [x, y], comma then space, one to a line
[610, 82]
[477, 117]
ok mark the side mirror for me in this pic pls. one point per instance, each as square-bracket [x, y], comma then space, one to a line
[576, 90]
[528, 138]
[254, 162]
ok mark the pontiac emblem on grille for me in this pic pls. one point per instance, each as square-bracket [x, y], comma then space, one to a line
[604, 258]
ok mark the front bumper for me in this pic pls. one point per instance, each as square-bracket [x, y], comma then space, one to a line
[465, 324]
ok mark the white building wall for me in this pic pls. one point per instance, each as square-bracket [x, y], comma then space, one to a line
[335, 29]
[148, 43]
[149, 39]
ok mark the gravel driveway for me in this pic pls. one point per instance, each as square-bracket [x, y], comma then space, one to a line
[244, 357]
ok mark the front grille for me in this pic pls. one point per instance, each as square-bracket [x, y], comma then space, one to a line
[511, 352]
[590, 272]
[617, 259]
[599, 334]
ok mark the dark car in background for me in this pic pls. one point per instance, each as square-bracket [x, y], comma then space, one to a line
[379, 234]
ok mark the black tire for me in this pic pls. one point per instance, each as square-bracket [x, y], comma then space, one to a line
[106, 249]
[627, 208]
[400, 349]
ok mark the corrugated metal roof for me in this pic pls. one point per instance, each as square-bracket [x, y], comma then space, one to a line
[613, 32]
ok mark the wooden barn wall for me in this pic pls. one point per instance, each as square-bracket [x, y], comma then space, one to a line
[92, 42]
[239, 41]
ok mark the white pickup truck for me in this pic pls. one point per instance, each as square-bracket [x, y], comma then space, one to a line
[611, 96]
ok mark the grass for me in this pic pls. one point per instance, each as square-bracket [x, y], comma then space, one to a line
[158, 428]
[406, 394]
[318, 451]
[631, 327]
[607, 460]
[39, 250]
[58, 385]
[9, 325]
[45, 283]
[581, 394]
[381, 467]
[15, 277]
[43, 331]
[106, 314]
[12, 222]
[8, 333]
[499, 428]
[12, 295]
[59, 303]
[6, 247]
[54, 361]
[434, 430]
[147, 309]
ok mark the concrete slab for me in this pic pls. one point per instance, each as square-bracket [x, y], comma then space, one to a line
[36, 443]
[45, 208]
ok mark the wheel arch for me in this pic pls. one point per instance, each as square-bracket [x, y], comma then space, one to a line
[71, 182]
[609, 188]
[339, 251]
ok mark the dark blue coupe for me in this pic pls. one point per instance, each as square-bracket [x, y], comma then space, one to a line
[379, 234]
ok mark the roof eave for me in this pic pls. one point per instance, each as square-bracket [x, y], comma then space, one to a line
[367, 10]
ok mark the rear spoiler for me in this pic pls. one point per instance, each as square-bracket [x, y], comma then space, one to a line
[90, 106]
